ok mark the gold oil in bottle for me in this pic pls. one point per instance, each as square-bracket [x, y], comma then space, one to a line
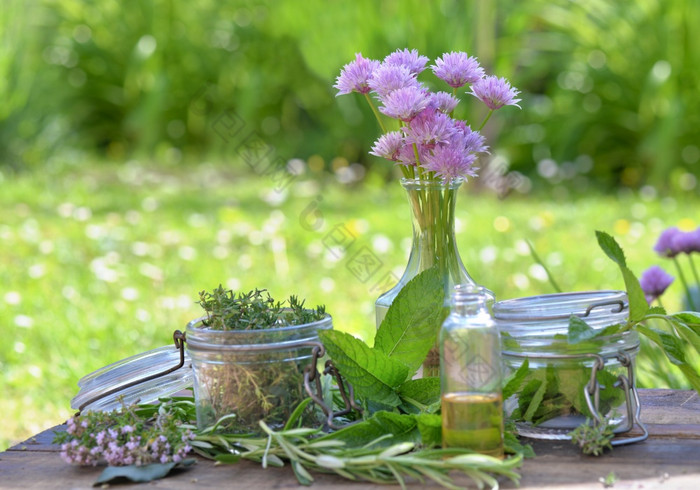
[471, 375]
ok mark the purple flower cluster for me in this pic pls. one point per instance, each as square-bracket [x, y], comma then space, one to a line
[654, 282]
[96, 437]
[673, 241]
[428, 141]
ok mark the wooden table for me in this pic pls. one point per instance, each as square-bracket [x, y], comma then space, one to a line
[669, 459]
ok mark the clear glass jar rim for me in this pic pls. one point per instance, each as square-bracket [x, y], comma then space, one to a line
[560, 306]
[259, 339]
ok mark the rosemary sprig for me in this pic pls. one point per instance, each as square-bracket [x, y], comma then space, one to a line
[373, 462]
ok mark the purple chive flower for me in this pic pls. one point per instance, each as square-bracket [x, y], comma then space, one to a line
[449, 162]
[458, 69]
[654, 282]
[495, 92]
[387, 78]
[468, 140]
[407, 155]
[665, 245]
[404, 103]
[410, 59]
[686, 241]
[388, 146]
[354, 76]
[429, 128]
[443, 102]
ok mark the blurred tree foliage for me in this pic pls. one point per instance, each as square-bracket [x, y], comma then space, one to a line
[609, 87]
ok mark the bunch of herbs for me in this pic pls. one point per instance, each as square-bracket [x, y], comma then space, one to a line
[254, 310]
[546, 392]
[262, 384]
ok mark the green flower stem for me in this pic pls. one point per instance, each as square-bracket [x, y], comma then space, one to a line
[685, 284]
[483, 123]
[376, 113]
[695, 271]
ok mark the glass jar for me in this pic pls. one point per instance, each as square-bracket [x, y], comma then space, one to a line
[471, 375]
[251, 374]
[568, 383]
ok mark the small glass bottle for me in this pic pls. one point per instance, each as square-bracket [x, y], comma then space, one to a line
[471, 375]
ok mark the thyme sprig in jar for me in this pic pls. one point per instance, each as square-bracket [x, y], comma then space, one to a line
[248, 355]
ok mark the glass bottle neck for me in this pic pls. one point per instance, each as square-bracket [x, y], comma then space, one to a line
[470, 300]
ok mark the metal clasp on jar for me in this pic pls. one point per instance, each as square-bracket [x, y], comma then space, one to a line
[592, 394]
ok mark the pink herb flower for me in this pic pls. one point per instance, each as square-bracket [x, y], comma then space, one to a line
[410, 59]
[686, 241]
[654, 282]
[404, 103]
[388, 78]
[468, 140]
[429, 128]
[666, 244]
[495, 92]
[458, 69]
[449, 162]
[388, 146]
[443, 102]
[354, 76]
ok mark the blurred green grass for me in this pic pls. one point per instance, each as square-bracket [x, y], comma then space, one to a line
[102, 261]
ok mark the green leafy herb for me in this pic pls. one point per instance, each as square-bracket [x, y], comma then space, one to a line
[516, 379]
[372, 373]
[413, 321]
[637, 301]
[420, 395]
[382, 428]
[402, 342]
[430, 427]
[254, 310]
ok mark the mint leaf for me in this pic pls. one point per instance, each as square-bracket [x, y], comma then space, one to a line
[638, 302]
[401, 428]
[571, 383]
[656, 310]
[673, 348]
[687, 333]
[579, 330]
[535, 389]
[423, 393]
[413, 321]
[691, 319]
[430, 427]
[516, 380]
[611, 248]
[372, 373]
[512, 445]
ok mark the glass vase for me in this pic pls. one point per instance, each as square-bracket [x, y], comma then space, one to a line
[432, 206]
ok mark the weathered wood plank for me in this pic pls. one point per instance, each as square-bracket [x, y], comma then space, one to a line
[670, 458]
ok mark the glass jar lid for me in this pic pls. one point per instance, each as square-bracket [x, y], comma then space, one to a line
[127, 381]
[548, 315]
